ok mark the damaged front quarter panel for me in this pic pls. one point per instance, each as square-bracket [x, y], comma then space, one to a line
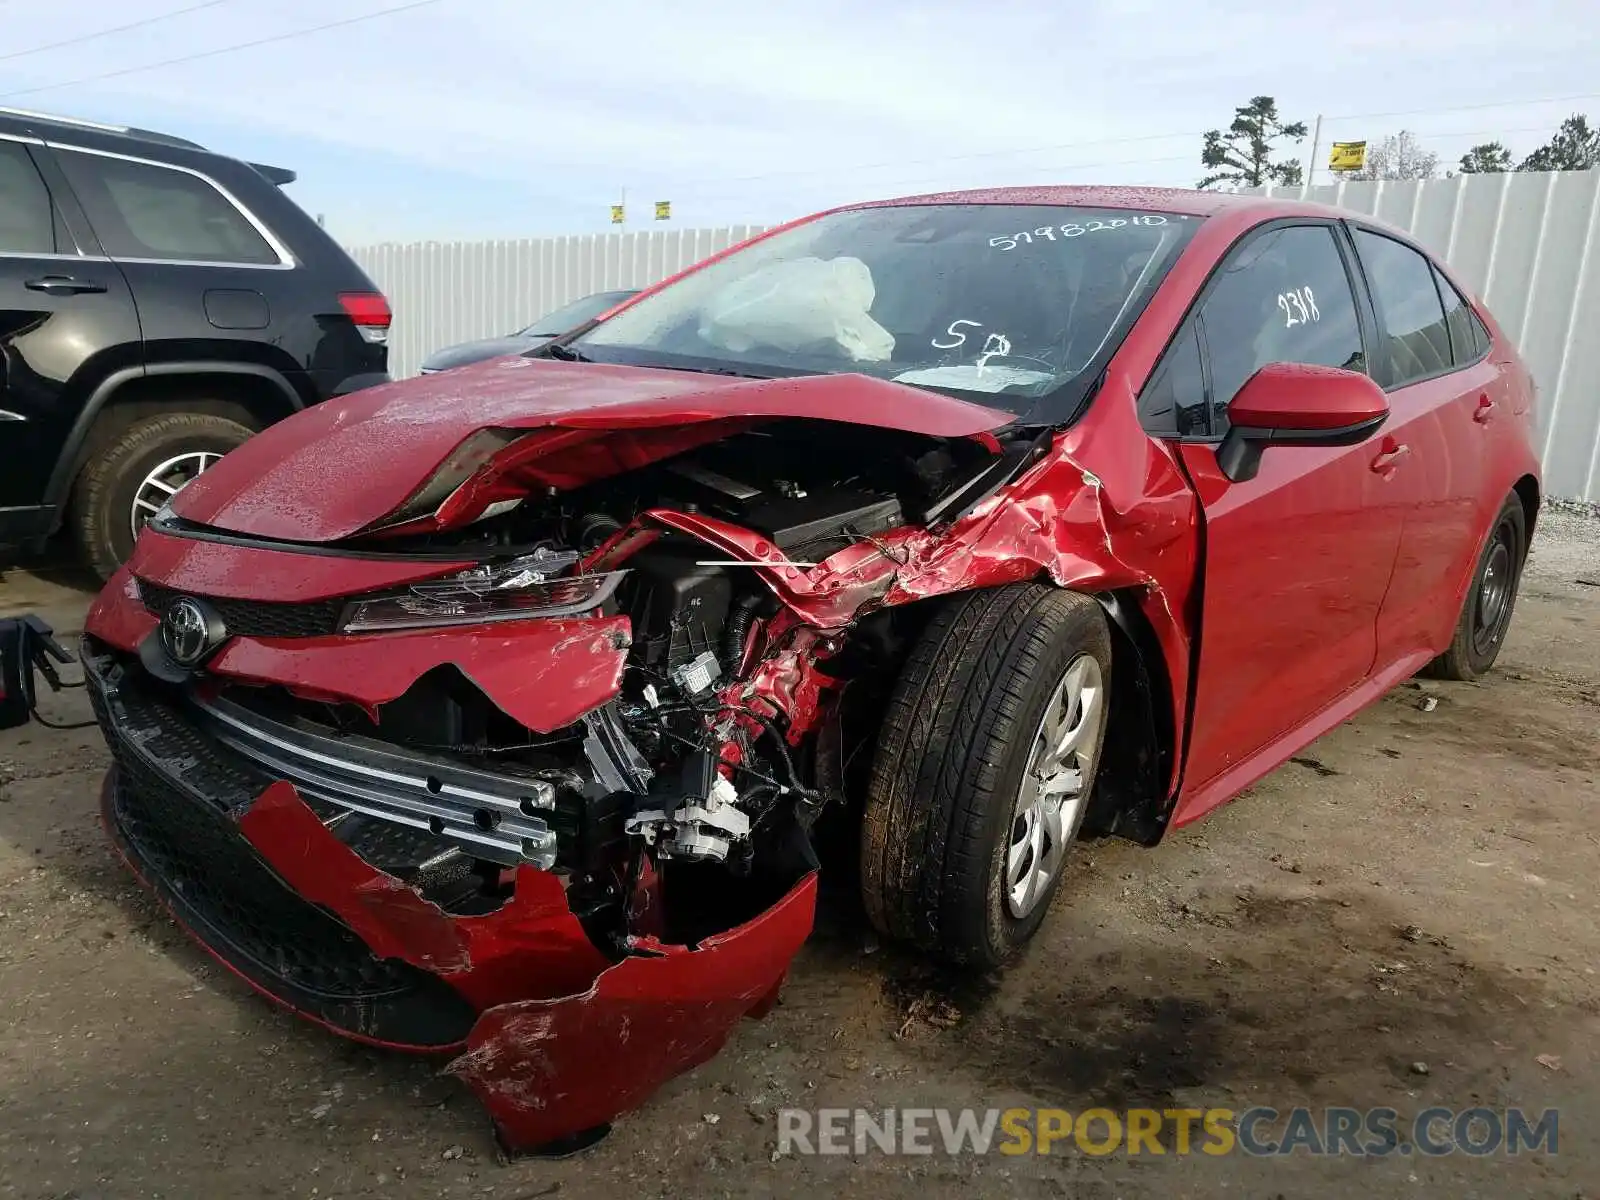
[566, 1039]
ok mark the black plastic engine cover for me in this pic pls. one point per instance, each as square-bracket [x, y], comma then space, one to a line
[678, 608]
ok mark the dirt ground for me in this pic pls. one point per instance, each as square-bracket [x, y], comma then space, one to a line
[1404, 915]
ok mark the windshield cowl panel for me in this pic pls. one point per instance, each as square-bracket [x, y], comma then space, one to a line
[1017, 306]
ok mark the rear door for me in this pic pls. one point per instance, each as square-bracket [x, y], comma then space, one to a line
[1441, 399]
[66, 320]
[1297, 559]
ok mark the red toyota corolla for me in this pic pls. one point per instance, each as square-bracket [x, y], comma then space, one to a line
[493, 712]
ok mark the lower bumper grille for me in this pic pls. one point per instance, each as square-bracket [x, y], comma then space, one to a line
[189, 849]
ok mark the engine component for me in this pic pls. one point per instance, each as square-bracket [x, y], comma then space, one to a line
[698, 674]
[678, 605]
[705, 821]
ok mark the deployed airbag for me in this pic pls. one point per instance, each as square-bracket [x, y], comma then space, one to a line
[796, 304]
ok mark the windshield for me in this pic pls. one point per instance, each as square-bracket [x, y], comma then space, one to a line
[580, 312]
[1011, 302]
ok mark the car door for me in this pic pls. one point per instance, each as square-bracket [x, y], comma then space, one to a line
[65, 317]
[1296, 559]
[1439, 404]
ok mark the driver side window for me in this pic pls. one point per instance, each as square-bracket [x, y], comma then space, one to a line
[1284, 296]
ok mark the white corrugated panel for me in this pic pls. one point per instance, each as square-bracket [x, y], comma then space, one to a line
[448, 292]
[1525, 242]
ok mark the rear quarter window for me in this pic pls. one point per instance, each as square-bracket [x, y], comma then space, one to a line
[144, 210]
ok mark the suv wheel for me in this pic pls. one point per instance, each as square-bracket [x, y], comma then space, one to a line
[126, 482]
[984, 770]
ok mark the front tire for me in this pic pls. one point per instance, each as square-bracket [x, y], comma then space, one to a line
[126, 482]
[1486, 613]
[984, 770]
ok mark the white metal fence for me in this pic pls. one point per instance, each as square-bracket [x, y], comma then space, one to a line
[447, 292]
[1522, 241]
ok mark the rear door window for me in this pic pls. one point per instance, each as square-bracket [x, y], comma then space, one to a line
[1284, 296]
[146, 211]
[27, 222]
[1416, 339]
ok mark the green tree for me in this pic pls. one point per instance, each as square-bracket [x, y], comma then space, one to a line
[1486, 158]
[1575, 147]
[1243, 156]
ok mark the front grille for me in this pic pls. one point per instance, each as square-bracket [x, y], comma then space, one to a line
[254, 618]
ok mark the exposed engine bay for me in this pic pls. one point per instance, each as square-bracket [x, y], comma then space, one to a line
[714, 749]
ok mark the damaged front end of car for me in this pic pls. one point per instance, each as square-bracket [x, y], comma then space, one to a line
[523, 766]
[496, 724]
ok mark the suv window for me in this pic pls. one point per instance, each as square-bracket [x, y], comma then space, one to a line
[27, 225]
[1283, 297]
[1409, 312]
[141, 210]
[1468, 338]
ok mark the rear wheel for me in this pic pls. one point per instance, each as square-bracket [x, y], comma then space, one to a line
[984, 770]
[127, 481]
[1486, 614]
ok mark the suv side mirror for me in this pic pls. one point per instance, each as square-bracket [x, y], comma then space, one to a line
[1298, 404]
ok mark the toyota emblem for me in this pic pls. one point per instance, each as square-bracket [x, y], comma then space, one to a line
[190, 631]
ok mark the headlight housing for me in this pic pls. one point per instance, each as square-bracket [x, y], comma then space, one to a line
[517, 590]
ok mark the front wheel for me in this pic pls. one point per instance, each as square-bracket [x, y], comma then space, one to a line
[1486, 614]
[984, 770]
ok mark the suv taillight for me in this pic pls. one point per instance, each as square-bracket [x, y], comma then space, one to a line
[370, 313]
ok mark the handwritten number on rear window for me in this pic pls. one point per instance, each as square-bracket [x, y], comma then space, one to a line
[1299, 307]
[1072, 229]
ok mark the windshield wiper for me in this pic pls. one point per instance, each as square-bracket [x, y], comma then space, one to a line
[564, 353]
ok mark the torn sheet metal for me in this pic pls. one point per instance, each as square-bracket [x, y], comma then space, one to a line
[551, 1069]
[567, 1039]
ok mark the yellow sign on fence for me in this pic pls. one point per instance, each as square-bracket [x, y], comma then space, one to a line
[617, 214]
[1348, 156]
[663, 210]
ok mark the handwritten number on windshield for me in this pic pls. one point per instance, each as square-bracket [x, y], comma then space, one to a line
[1072, 229]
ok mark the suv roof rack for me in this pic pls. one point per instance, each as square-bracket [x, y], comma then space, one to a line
[143, 135]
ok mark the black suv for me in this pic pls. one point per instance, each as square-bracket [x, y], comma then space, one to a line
[158, 305]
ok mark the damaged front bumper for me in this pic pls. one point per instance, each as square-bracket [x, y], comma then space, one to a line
[320, 870]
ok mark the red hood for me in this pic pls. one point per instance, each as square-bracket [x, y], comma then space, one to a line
[332, 470]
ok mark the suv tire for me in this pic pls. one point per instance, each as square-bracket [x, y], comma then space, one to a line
[963, 763]
[103, 498]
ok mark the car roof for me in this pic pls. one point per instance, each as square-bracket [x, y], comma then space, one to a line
[52, 127]
[1187, 201]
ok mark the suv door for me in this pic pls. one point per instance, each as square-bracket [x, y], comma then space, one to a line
[1440, 385]
[1296, 559]
[66, 319]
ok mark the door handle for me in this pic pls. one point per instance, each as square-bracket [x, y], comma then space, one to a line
[1484, 412]
[63, 285]
[1386, 462]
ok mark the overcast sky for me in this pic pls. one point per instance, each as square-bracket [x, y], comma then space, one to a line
[479, 118]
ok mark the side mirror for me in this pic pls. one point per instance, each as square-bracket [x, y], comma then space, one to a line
[1299, 404]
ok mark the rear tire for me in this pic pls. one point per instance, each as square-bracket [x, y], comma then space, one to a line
[126, 476]
[1486, 613]
[950, 860]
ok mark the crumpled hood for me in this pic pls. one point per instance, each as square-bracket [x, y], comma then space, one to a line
[333, 470]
